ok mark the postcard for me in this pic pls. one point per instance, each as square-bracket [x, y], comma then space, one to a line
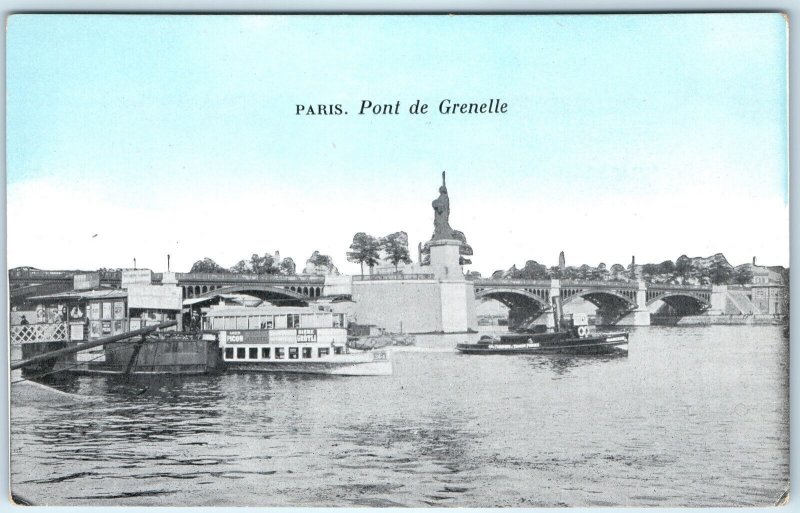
[412, 260]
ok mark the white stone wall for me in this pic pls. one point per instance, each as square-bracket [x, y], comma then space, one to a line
[454, 306]
[413, 304]
[340, 285]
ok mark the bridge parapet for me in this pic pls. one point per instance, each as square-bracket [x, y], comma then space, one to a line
[248, 278]
[486, 282]
[39, 276]
[393, 277]
[600, 284]
[675, 286]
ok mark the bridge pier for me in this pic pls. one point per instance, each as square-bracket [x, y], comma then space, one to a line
[640, 316]
[635, 318]
[718, 300]
[522, 317]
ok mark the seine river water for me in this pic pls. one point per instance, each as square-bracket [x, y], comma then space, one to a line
[691, 417]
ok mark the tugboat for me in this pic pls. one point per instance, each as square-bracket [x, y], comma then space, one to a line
[570, 336]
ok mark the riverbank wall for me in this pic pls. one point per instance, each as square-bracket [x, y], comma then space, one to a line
[709, 320]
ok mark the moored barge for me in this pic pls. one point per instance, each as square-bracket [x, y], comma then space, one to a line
[89, 326]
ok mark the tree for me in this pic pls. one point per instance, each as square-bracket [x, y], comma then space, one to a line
[600, 273]
[364, 250]
[532, 270]
[256, 265]
[570, 273]
[318, 263]
[317, 258]
[207, 265]
[743, 275]
[263, 265]
[684, 266]
[649, 270]
[287, 267]
[241, 267]
[720, 273]
[666, 267]
[395, 246]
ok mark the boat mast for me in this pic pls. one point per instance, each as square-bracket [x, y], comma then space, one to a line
[555, 305]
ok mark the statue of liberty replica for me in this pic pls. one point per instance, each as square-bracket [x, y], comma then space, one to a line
[442, 231]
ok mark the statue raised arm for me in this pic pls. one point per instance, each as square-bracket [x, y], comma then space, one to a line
[441, 214]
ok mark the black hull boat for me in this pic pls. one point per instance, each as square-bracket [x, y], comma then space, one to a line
[573, 341]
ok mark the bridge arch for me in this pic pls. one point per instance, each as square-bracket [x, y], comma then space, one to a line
[277, 295]
[681, 303]
[523, 305]
[510, 295]
[513, 297]
[604, 298]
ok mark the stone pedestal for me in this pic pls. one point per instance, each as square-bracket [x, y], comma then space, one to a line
[456, 294]
[445, 259]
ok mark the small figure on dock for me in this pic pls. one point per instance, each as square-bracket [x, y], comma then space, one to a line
[194, 324]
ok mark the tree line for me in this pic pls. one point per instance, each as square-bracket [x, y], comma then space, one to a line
[369, 250]
[715, 270]
[266, 264]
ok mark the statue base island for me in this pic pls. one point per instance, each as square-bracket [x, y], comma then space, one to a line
[435, 297]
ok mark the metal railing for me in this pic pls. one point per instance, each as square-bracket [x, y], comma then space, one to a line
[220, 277]
[674, 286]
[38, 274]
[501, 281]
[603, 284]
[393, 277]
[589, 283]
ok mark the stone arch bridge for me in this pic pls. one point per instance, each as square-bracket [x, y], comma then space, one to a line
[530, 301]
[28, 282]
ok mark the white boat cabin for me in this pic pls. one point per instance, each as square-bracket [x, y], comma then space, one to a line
[269, 333]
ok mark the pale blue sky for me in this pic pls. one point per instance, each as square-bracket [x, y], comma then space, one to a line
[177, 134]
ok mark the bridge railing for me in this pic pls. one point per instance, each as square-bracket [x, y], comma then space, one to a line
[530, 283]
[390, 277]
[597, 283]
[38, 274]
[675, 286]
[590, 283]
[219, 277]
